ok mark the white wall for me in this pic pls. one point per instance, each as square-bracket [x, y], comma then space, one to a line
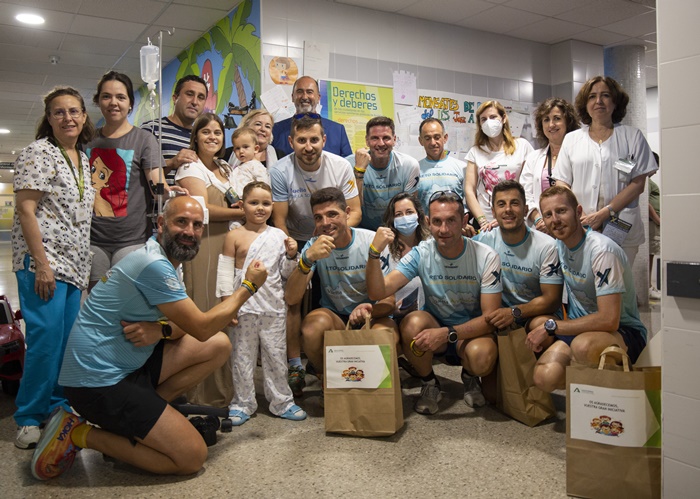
[367, 46]
[679, 122]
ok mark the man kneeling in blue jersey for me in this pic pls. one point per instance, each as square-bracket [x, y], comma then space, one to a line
[602, 306]
[462, 283]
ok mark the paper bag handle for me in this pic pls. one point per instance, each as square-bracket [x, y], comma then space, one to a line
[366, 325]
[614, 349]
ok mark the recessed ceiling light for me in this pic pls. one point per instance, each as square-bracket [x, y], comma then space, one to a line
[4, 130]
[29, 19]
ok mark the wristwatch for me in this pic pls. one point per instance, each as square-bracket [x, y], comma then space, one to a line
[517, 313]
[550, 326]
[613, 213]
[451, 335]
[166, 330]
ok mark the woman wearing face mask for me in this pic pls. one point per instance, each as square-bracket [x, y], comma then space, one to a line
[495, 156]
[406, 218]
[606, 163]
[554, 118]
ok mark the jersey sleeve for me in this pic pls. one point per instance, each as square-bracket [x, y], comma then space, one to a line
[159, 283]
[412, 177]
[609, 274]
[348, 184]
[491, 274]
[410, 264]
[550, 267]
[280, 193]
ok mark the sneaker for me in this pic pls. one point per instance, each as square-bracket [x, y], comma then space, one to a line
[472, 391]
[654, 294]
[55, 450]
[27, 437]
[295, 378]
[294, 413]
[238, 417]
[430, 395]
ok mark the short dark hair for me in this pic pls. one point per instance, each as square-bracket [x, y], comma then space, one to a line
[305, 123]
[255, 185]
[556, 190]
[545, 108]
[507, 185]
[202, 121]
[185, 79]
[44, 130]
[121, 78]
[619, 98]
[446, 197]
[380, 121]
[430, 120]
[329, 195]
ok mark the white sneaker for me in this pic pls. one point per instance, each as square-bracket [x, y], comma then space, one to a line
[27, 437]
[654, 294]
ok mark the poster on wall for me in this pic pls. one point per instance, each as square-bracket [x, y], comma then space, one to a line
[281, 70]
[227, 57]
[353, 104]
[458, 115]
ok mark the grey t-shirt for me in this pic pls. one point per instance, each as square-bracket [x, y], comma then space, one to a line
[119, 170]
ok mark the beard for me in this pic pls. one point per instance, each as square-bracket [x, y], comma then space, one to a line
[176, 250]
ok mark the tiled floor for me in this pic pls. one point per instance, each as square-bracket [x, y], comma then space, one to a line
[459, 452]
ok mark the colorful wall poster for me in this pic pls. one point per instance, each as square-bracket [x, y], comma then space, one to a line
[227, 57]
[353, 104]
[458, 115]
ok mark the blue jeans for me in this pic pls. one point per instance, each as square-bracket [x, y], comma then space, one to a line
[48, 325]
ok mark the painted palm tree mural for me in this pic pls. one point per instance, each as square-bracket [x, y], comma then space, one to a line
[227, 57]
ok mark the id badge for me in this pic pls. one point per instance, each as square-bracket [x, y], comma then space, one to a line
[81, 215]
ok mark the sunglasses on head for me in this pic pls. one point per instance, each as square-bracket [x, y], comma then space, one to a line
[314, 116]
[451, 195]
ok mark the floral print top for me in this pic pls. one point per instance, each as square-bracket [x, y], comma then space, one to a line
[42, 167]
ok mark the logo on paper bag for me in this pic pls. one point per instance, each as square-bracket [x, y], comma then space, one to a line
[353, 374]
[604, 425]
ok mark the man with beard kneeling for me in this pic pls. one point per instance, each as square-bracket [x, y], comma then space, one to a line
[139, 341]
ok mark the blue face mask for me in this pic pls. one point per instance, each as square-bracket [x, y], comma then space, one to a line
[407, 224]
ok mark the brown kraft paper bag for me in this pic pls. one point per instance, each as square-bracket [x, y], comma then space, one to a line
[613, 430]
[362, 388]
[517, 395]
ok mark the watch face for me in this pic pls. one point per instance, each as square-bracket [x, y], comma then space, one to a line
[452, 336]
[516, 312]
[550, 325]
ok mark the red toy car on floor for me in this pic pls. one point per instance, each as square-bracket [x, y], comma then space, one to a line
[12, 347]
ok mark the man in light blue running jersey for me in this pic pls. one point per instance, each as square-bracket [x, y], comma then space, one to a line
[531, 274]
[381, 172]
[462, 283]
[438, 170]
[602, 305]
[139, 342]
[339, 254]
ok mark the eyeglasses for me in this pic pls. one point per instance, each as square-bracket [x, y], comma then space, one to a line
[307, 115]
[61, 114]
[449, 195]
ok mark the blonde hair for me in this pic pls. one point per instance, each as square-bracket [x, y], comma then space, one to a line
[481, 139]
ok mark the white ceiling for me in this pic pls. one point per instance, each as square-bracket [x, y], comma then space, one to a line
[94, 36]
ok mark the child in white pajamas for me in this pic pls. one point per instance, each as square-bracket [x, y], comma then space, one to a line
[262, 320]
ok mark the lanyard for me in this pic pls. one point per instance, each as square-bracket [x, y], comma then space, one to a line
[549, 167]
[80, 180]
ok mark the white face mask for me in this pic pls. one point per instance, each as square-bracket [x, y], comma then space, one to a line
[492, 127]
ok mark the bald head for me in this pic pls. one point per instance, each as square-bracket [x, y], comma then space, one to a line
[305, 95]
[180, 228]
